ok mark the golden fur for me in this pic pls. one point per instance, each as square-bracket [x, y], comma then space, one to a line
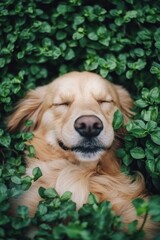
[54, 109]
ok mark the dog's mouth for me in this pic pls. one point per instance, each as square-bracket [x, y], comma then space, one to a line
[84, 147]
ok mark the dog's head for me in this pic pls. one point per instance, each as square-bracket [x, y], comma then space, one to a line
[74, 113]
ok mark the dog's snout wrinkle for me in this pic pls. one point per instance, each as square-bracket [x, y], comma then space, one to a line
[88, 126]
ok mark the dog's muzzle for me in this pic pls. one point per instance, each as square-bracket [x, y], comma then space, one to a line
[85, 146]
[89, 128]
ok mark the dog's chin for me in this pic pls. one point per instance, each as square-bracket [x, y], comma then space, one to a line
[89, 157]
[84, 152]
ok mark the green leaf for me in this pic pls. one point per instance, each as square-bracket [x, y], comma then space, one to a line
[26, 182]
[155, 136]
[146, 115]
[104, 72]
[138, 65]
[141, 206]
[155, 69]
[149, 154]
[150, 114]
[42, 209]
[102, 31]
[145, 93]
[92, 199]
[2, 233]
[16, 179]
[66, 196]
[137, 128]
[56, 53]
[20, 55]
[20, 146]
[31, 151]
[45, 27]
[50, 193]
[61, 35]
[27, 136]
[5, 140]
[3, 192]
[117, 120]
[139, 52]
[151, 125]
[93, 36]
[158, 165]
[1, 132]
[78, 35]
[121, 152]
[78, 20]
[155, 93]
[119, 21]
[4, 220]
[37, 173]
[3, 188]
[154, 210]
[150, 165]
[129, 15]
[28, 123]
[127, 160]
[141, 103]
[129, 74]
[137, 153]
[69, 54]
[132, 227]
[62, 8]
[41, 191]
[2, 62]
[23, 211]
[19, 223]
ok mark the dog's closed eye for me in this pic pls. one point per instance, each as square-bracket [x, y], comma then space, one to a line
[104, 101]
[61, 104]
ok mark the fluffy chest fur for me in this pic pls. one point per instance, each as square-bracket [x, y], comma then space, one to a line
[81, 179]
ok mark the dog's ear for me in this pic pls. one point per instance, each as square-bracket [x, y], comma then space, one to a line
[125, 102]
[29, 108]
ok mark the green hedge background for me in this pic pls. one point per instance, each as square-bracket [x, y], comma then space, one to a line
[118, 39]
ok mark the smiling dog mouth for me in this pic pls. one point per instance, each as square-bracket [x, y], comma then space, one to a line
[85, 147]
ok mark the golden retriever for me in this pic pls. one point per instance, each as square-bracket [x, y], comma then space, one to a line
[75, 142]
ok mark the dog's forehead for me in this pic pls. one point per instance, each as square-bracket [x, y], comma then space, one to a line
[81, 82]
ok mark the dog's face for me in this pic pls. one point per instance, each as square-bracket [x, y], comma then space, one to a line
[74, 113]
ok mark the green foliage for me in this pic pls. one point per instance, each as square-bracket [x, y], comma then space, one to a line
[42, 39]
[68, 222]
[142, 143]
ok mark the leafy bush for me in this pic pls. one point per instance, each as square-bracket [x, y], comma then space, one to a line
[142, 144]
[42, 39]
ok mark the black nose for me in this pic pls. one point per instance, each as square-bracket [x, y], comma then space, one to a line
[88, 126]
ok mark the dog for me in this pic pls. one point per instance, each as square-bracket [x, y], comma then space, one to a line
[75, 143]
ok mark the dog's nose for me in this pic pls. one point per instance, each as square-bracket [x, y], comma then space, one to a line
[88, 126]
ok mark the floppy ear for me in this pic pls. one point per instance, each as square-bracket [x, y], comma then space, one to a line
[29, 108]
[125, 102]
